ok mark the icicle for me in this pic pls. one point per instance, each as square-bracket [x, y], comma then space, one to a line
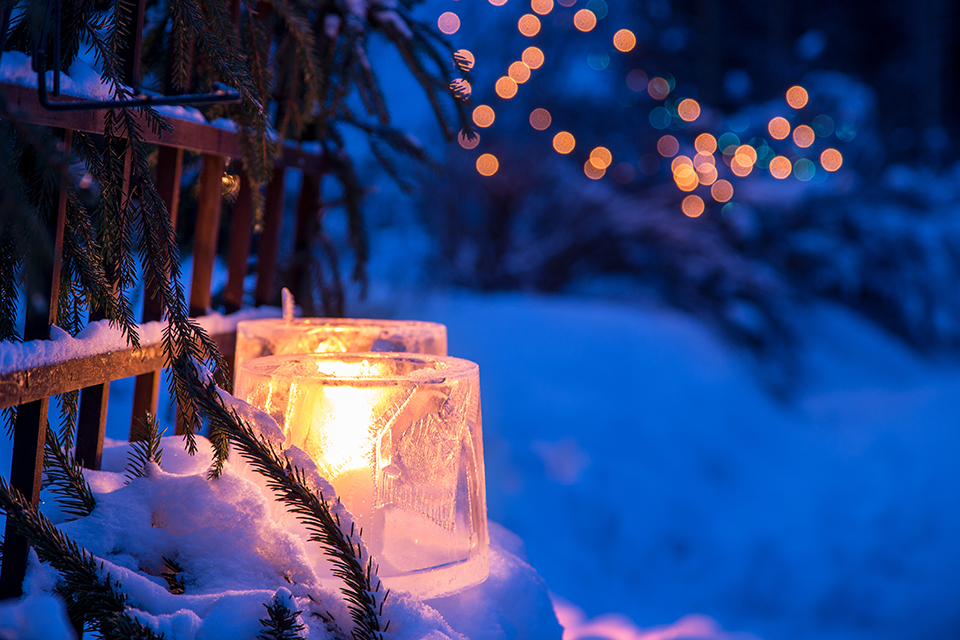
[288, 305]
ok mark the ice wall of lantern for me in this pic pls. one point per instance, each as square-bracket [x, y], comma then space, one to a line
[399, 437]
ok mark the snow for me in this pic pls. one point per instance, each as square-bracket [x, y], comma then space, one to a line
[100, 337]
[80, 80]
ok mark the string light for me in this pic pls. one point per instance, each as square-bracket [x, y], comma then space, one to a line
[543, 7]
[831, 159]
[519, 72]
[506, 87]
[692, 206]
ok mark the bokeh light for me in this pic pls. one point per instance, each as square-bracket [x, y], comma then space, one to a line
[566, 3]
[823, 125]
[804, 169]
[564, 142]
[797, 97]
[658, 88]
[701, 159]
[693, 206]
[506, 87]
[680, 161]
[464, 59]
[707, 174]
[637, 80]
[543, 7]
[779, 128]
[688, 110]
[741, 166]
[624, 173]
[468, 142]
[498, 3]
[705, 144]
[780, 167]
[448, 23]
[483, 116]
[540, 119]
[584, 20]
[593, 171]
[532, 57]
[721, 191]
[601, 157]
[487, 164]
[461, 88]
[668, 146]
[529, 25]
[803, 136]
[624, 40]
[831, 159]
[519, 72]
[686, 177]
[746, 155]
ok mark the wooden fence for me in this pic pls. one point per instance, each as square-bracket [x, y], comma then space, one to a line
[30, 388]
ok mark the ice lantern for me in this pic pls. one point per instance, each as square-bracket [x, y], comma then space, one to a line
[277, 336]
[398, 436]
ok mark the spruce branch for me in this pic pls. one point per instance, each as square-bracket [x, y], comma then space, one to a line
[64, 478]
[90, 594]
[145, 451]
[361, 588]
[281, 622]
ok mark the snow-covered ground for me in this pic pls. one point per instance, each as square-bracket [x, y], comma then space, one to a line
[663, 494]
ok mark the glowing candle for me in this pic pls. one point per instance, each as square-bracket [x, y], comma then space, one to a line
[399, 438]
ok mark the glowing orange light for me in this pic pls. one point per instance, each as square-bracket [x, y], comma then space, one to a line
[779, 128]
[686, 178]
[680, 161]
[601, 157]
[668, 146]
[498, 3]
[483, 116]
[468, 142]
[529, 25]
[803, 136]
[506, 87]
[658, 88]
[688, 110]
[831, 159]
[746, 155]
[519, 72]
[780, 167]
[797, 97]
[464, 59]
[740, 166]
[448, 23]
[701, 160]
[693, 206]
[564, 142]
[584, 20]
[705, 144]
[593, 172]
[532, 57]
[487, 164]
[543, 7]
[624, 40]
[721, 191]
[708, 174]
[540, 119]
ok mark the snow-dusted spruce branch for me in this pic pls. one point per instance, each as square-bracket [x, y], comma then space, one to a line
[281, 622]
[90, 594]
[146, 450]
[361, 587]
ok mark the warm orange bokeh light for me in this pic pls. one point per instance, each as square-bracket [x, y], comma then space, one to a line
[464, 59]
[780, 167]
[803, 136]
[448, 23]
[746, 154]
[680, 161]
[624, 40]
[797, 97]
[564, 142]
[658, 88]
[593, 171]
[693, 206]
[487, 164]
[483, 116]
[705, 144]
[701, 159]
[540, 119]
[543, 7]
[519, 72]
[529, 25]
[506, 87]
[721, 191]
[601, 157]
[831, 159]
[779, 128]
[532, 57]
[688, 110]
[741, 166]
[668, 146]
[498, 3]
[470, 142]
[686, 177]
[707, 174]
[584, 20]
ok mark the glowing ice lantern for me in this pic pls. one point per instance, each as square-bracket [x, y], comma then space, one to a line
[276, 336]
[398, 436]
